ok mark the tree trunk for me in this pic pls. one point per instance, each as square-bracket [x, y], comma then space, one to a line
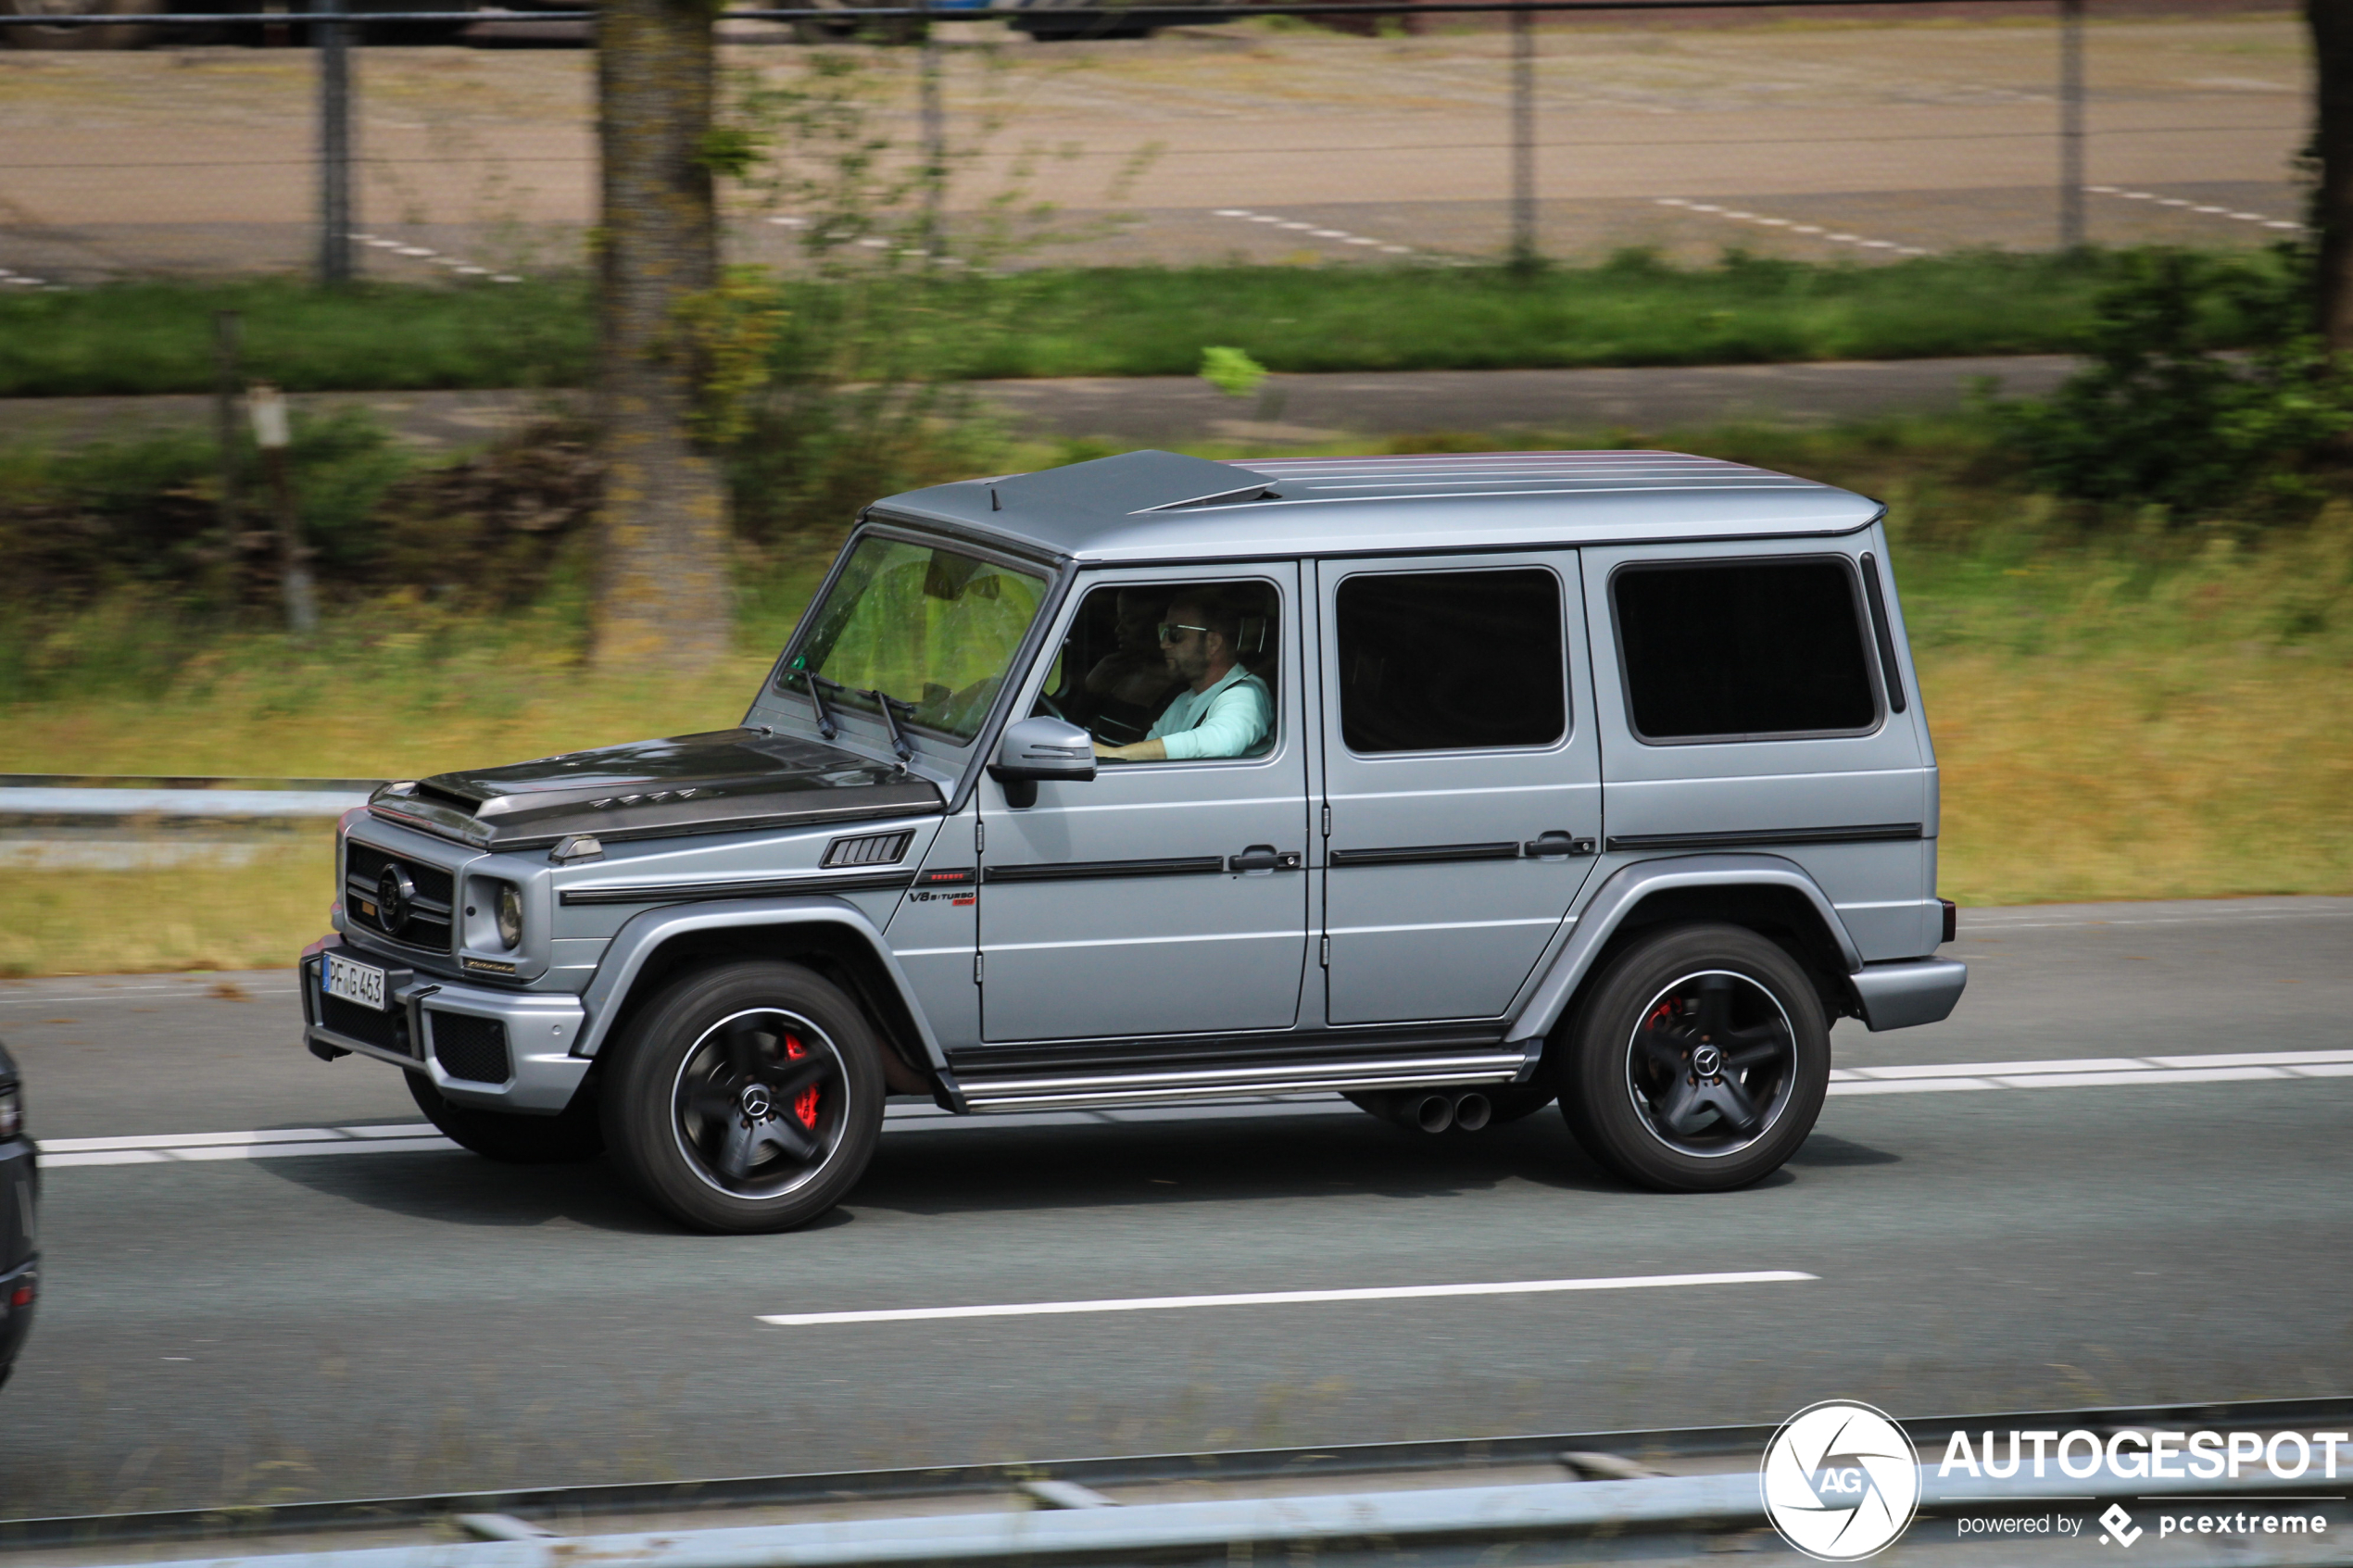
[662, 598]
[2331, 24]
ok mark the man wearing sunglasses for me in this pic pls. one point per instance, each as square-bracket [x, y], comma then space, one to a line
[1224, 711]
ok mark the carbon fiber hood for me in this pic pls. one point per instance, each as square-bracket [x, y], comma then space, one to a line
[719, 782]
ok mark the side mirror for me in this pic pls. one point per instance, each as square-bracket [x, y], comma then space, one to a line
[1041, 749]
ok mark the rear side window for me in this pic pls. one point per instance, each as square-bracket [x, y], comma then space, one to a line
[1449, 660]
[1740, 650]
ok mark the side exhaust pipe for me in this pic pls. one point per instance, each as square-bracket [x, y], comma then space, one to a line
[1427, 1111]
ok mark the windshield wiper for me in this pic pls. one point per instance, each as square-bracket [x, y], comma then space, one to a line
[888, 703]
[818, 685]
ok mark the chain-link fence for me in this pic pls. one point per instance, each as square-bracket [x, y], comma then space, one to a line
[1378, 133]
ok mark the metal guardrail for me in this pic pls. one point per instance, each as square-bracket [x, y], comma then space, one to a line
[1393, 1519]
[1372, 1470]
[52, 796]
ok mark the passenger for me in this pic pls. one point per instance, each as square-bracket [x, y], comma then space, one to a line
[1223, 711]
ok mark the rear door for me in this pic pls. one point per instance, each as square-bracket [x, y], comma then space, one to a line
[1463, 784]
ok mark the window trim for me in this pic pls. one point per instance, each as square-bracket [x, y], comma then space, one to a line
[1033, 687]
[1562, 588]
[1674, 563]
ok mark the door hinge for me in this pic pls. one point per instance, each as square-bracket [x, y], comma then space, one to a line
[978, 960]
[1327, 822]
[1327, 960]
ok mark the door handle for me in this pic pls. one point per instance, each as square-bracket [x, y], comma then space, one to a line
[1556, 842]
[1264, 857]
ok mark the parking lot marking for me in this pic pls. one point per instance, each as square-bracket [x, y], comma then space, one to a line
[1738, 216]
[1285, 1298]
[2180, 205]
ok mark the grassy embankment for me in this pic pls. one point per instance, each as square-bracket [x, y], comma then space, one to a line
[156, 337]
[2146, 715]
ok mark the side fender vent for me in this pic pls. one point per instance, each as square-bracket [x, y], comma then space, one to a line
[870, 850]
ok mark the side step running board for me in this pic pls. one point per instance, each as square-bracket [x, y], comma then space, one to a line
[1225, 1082]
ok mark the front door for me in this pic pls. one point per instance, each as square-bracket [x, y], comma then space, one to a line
[1462, 778]
[1163, 897]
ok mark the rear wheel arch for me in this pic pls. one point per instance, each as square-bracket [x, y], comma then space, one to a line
[1778, 912]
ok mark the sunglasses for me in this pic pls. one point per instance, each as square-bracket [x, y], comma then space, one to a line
[1169, 629]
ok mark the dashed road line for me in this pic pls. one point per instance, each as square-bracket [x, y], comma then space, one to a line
[1311, 231]
[1790, 225]
[1288, 1297]
[2202, 209]
[2075, 1073]
[456, 264]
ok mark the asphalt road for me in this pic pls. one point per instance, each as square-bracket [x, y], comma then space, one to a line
[345, 1323]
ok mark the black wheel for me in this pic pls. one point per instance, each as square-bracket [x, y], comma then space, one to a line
[1700, 1061]
[509, 1138]
[745, 1098]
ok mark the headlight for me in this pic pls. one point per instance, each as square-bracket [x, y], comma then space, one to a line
[510, 914]
[11, 1114]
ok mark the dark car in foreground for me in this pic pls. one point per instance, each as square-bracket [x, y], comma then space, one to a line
[20, 1198]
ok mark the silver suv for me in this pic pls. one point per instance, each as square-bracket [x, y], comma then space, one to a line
[1453, 785]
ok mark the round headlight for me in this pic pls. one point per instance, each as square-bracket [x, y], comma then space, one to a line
[510, 914]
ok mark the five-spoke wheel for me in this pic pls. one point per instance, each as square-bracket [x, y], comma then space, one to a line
[1699, 1062]
[746, 1097]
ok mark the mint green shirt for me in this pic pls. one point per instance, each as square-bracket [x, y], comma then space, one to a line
[1225, 721]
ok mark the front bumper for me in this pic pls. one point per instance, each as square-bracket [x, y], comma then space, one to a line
[502, 1050]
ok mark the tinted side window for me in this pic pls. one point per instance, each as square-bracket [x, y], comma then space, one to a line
[1735, 649]
[1449, 660]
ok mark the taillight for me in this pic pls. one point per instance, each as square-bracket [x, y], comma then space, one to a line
[21, 1296]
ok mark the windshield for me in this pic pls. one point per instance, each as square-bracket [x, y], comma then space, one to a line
[933, 628]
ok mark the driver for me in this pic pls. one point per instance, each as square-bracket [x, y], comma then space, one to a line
[1224, 709]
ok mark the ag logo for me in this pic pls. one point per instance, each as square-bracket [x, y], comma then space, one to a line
[1840, 1481]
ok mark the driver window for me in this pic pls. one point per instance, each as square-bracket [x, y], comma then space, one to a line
[1194, 665]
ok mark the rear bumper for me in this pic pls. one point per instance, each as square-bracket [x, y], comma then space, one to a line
[500, 1050]
[1897, 996]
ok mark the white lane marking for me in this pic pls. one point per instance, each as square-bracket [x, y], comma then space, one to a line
[2179, 204]
[1736, 214]
[246, 1152]
[1285, 1298]
[1342, 235]
[279, 1143]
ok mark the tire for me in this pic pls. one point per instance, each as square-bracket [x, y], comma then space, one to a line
[509, 1138]
[126, 37]
[744, 1098]
[1637, 1089]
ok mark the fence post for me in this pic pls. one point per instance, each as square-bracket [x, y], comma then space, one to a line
[227, 354]
[2071, 209]
[1523, 139]
[329, 36]
[934, 121]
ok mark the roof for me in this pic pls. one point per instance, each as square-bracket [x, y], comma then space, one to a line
[1163, 507]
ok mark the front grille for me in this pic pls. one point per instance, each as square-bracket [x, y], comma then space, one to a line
[468, 1047]
[868, 849]
[428, 914]
[388, 1031]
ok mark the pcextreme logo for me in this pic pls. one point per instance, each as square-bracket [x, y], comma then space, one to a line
[1840, 1481]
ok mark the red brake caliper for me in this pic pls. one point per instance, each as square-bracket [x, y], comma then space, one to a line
[804, 1104]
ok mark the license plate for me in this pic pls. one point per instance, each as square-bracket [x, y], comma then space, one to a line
[360, 983]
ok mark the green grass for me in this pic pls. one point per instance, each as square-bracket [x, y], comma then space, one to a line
[156, 337]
